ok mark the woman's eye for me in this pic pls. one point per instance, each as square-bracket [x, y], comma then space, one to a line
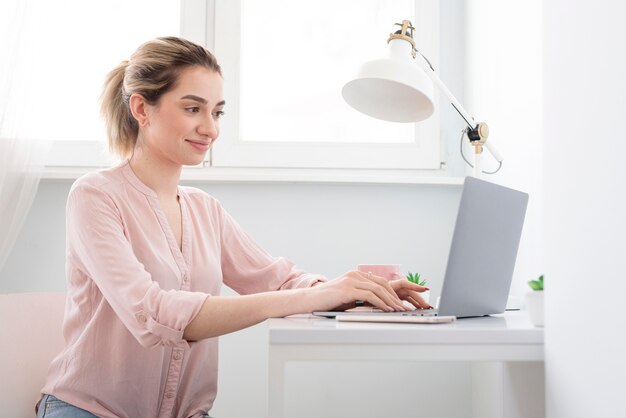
[193, 109]
[218, 114]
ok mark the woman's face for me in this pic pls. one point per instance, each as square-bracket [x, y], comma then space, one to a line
[185, 122]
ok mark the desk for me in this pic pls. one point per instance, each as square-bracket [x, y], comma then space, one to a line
[507, 352]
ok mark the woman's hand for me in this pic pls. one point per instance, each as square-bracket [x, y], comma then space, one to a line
[410, 292]
[220, 315]
[344, 291]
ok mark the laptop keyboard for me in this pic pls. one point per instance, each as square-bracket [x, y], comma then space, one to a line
[420, 312]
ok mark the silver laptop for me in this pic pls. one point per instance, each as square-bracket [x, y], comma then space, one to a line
[482, 254]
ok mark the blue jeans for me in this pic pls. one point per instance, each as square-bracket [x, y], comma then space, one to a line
[51, 407]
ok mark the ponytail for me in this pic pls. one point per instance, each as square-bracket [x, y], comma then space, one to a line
[121, 125]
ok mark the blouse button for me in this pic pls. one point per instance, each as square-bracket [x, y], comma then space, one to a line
[142, 318]
[169, 395]
[178, 356]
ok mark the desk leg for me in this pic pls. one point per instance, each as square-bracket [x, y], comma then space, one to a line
[524, 390]
[508, 390]
[276, 383]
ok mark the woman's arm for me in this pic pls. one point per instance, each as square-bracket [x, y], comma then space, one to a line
[221, 315]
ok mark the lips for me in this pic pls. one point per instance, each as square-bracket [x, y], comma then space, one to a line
[199, 145]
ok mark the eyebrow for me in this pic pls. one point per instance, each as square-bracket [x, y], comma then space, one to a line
[201, 100]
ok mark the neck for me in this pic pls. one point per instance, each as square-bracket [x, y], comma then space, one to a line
[160, 175]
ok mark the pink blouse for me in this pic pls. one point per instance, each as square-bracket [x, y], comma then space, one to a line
[132, 292]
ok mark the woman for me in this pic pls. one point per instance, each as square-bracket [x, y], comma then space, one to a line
[146, 258]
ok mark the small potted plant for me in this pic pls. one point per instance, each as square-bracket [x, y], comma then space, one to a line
[415, 278]
[534, 301]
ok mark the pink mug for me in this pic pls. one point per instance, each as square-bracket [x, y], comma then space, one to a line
[386, 271]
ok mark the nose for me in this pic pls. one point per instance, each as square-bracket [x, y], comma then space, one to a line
[209, 128]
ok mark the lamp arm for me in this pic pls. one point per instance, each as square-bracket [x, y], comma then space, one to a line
[469, 120]
[476, 132]
[493, 151]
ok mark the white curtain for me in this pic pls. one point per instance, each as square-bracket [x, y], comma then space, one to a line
[21, 157]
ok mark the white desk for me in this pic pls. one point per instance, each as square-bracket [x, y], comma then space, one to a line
[507, 349]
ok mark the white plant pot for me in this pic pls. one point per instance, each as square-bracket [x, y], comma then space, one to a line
[534, 305]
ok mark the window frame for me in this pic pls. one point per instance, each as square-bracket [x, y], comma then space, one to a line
[195, 19]
[233, 159]
[425, 153]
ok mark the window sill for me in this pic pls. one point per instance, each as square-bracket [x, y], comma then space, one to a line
[284, 175]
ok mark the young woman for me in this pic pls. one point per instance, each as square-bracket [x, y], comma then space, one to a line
[146, 258]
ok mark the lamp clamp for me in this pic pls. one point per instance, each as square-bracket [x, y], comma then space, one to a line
[478, 136]
[406, 34]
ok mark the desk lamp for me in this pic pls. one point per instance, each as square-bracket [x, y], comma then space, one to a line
[396, 89]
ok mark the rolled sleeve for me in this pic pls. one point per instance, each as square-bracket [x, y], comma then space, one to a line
[166, 314]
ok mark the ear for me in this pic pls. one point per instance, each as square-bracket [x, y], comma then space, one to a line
[139, 108]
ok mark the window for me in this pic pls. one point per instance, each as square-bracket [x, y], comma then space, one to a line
[284, 65]
[79, 43]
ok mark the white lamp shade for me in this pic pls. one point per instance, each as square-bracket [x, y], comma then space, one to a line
[394, 89]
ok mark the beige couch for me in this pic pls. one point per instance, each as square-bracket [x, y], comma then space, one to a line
[30, 336]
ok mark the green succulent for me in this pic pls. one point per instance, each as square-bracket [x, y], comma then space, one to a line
[415, 278]
[536, 284]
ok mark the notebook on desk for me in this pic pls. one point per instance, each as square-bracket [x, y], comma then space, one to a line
[482, 254]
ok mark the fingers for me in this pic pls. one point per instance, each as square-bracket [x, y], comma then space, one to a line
[418, 302]
[381, 282]
[378, 295]
[405, 284]
[372, 289]
[373, 299]
[411, 293]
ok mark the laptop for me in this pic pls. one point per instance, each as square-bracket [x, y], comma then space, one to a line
[482, 254]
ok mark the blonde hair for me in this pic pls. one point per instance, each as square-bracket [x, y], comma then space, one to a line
[152, 70]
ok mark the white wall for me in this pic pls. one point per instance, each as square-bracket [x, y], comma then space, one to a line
[330, 229]
[585, 207]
